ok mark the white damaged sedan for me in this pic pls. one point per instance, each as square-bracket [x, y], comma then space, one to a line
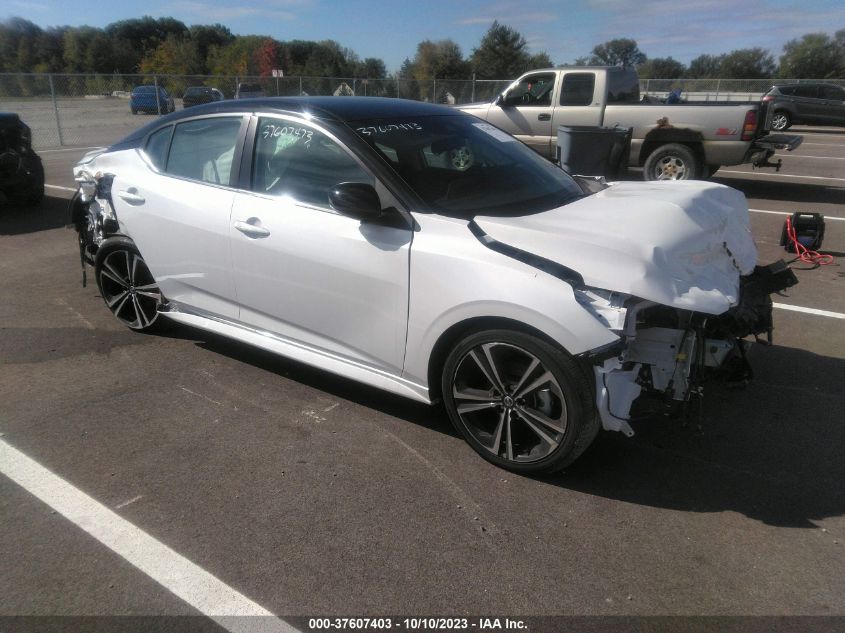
[416, 249]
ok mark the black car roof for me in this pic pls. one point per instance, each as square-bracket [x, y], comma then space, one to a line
[341, 109]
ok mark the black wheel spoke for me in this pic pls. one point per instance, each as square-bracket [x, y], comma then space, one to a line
[509, 401]
[135, 306]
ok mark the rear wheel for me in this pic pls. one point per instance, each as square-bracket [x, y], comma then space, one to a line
[126, 284]
[520, 402]
[781, 120]
[671, 162]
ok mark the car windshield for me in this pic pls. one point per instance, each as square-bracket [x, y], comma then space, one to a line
[197, 91]
[461, 166]
[144, 89]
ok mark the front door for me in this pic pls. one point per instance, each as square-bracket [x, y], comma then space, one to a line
[525, 111]
[303, 271]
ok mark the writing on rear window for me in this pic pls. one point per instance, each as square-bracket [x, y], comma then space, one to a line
[387, 129]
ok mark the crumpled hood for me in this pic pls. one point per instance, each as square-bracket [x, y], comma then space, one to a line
[682, 244]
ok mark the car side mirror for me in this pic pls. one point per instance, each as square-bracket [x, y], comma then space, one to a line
[357, 200]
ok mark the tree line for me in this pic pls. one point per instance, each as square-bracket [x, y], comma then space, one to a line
[167, 46]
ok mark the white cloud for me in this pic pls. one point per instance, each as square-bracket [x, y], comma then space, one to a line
[213, 12]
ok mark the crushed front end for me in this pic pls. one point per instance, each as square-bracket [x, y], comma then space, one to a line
[665, 354]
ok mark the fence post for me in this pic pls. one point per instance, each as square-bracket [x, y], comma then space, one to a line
[56, 111]
[158, 101]
[472, 98]
[300, 86]
[434, 90]
[718, 87]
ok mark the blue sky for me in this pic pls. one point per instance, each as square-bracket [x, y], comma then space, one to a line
[391, 30]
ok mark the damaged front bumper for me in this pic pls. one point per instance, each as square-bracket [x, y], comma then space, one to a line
[667, 353]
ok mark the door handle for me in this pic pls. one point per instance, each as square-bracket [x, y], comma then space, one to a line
[251, 228]
[544, 117]
[131, 196]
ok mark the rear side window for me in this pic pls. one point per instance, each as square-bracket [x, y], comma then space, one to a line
[787, 90]
[204, 149]
[577, 89]
[157, 145]
[807, 91]
[623, 86]
[834, 93]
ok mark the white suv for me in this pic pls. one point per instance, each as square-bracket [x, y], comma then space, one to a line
[420, 250]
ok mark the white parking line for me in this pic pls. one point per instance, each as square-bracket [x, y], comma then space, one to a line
[803, 156]
[59, 187]
[826, 217]
[206, 593]
[823, 144]
[767, 175]
[825, 313]
[68, 149]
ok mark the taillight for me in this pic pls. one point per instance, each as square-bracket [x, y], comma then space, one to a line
[750, 125]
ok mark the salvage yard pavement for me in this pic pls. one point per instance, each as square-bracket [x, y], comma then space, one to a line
[274, 488]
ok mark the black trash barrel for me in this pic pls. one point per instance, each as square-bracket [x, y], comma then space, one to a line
[588, 150]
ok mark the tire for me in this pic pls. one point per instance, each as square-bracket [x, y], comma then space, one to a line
[520, 402]
[671, 162]
[127, 286]
[34, 193]
[781, 121]
[134, 110]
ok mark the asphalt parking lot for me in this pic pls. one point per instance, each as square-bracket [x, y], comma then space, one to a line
[310, 495]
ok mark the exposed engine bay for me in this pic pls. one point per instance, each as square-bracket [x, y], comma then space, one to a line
[668, 354]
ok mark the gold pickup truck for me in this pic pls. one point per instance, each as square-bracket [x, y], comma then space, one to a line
[678, 141]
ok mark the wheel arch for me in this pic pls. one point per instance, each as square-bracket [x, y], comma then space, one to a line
[678, 136]
[457, 331]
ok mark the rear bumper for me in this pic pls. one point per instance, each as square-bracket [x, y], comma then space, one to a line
[764, 148]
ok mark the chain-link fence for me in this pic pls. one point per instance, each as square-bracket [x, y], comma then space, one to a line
[718, 89]
[92, 110]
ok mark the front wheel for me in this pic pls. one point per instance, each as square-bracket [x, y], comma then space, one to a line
[671, 162]
[520, 402]
[127, 285]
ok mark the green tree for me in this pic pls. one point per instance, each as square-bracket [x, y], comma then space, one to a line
[174, 56]
[206, 37]
[439, 60]
[539, 60]
[618, 52]
[705, 66]
[371, 68]
[501, 54]
[747, 63]
[661, 68]
[814, 55]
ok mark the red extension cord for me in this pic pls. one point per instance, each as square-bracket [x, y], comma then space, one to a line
[805, 254]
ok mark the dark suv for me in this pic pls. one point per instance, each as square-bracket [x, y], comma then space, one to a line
[21, 171]
[807, 103]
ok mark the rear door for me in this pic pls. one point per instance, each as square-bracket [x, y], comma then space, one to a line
[175, 203]
[526, 111]
[580, 101]
[833, 98]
